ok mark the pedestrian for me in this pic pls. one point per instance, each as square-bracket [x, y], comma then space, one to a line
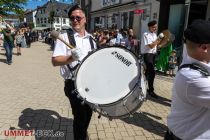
[1, 38]
[190, 110]
[8, 44]
[103, 39]
[68, 59]
[23, 44]
[28, 37]
[19, 39]
[124, 42]
[149, 43]
[172, 61]
[119, 37]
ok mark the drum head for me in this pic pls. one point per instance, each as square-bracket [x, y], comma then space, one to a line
[107, 75]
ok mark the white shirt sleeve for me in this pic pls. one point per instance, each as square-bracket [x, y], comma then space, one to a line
[148, 38]
[60, 48]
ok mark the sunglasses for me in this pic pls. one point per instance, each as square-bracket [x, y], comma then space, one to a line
[78, 18]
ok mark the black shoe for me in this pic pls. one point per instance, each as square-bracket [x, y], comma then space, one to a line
[9, 63]
[152, 94]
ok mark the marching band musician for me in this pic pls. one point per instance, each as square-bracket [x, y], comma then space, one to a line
[149, 43]
[190, 110]
[68, 59]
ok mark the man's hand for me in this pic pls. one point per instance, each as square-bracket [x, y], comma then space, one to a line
[76, 53]
[161, 36]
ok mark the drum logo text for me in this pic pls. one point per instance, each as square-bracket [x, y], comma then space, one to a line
[121, 58]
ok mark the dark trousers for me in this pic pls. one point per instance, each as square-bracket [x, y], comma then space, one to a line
[82, 112]
[8, 48]
[170, 136]
[149, 60]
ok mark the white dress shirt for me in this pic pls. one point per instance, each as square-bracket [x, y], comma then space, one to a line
[62, 50]
[147, 39]
[190, 110]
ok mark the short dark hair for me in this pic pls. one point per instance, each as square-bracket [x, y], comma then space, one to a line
[151, 23]
[198, 32]
[74, 7]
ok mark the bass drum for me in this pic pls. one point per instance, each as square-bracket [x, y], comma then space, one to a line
[112, 82]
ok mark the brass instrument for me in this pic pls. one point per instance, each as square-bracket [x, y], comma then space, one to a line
[167, 39]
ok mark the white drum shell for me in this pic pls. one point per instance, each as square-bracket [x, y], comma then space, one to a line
[123, 108]
[110, 85]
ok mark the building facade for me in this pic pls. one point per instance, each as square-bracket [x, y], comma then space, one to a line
[120, 14]
[59, 12]
[30, 17]
[176, 15]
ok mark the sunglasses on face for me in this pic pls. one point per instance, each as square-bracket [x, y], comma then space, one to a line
[78, 18]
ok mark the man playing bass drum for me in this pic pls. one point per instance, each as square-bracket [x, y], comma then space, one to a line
[68, 59]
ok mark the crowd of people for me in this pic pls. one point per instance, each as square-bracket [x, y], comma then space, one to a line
[117, 38]
[18, 38]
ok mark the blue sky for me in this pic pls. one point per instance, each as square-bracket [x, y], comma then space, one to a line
[32, 4]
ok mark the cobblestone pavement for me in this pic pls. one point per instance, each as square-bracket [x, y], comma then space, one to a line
[32, 98]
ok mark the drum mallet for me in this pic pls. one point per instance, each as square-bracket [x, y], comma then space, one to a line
[55, 35]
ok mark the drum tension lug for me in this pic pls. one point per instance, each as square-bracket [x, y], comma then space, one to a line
[74, 91]
[124, 104]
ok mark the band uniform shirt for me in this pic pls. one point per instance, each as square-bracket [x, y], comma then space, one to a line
[62, 50]
[190, 110]
[147, 39]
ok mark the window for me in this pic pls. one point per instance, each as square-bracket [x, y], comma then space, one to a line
[58, 21]
[45, 20]
[38, 20]
[41, 20]
[64, 21]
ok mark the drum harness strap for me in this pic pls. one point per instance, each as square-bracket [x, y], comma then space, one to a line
[72, 41]
[197, 67]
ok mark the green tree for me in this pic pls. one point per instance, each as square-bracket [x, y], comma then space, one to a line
[12, 6]
[31, 25]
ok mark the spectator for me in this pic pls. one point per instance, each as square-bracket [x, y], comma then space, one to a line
[172, 63]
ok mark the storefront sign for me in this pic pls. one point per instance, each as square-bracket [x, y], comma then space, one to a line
[138, 11]
[105, 3]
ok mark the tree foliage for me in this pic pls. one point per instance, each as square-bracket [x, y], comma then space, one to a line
[12, 6]
[31, 25]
